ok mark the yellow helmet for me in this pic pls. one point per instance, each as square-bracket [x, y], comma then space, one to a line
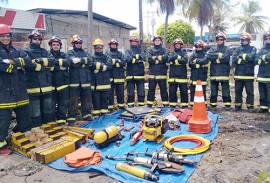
[199, 43]
[98, 42]
[246, 35]
[75, 38]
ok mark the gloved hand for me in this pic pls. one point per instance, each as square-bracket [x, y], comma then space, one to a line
[7, 61]
[104, 67]
[76, 60]
[39, 61]
[96, 71]
[138, 57]
[160, 57]
[154, 57]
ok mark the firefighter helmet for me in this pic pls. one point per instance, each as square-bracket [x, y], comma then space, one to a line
[35, 33]
[199, 44]
[157, 37]
[133, 38]
[178, 41]
[221, 34]
[266, 34]
[113, 41]
[75, 38]
[4, 29]
[55, 39]
[98, 42]
[246, 35]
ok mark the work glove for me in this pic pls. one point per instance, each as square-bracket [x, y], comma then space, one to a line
[154, 57]
[160, 57]
[76, 60]
[104, 67]
[138, 57]
[96, 71]
[7, 61]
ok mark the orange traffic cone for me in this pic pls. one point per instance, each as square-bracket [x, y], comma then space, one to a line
[199, 122]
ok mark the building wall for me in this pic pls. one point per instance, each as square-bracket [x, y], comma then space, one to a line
[67, 25]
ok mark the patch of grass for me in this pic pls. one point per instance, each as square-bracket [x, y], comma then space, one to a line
[264, 177]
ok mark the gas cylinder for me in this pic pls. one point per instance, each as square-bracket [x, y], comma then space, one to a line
[106, 134]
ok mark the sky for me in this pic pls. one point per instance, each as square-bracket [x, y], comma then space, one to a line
[126, 11]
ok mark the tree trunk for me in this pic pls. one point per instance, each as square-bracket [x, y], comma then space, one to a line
[140, 22]
[201, 32]
[165, 29]
[90, 25]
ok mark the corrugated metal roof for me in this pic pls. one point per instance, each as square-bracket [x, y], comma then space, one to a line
[85, 13]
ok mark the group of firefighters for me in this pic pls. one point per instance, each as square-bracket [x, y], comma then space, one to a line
[41, 86]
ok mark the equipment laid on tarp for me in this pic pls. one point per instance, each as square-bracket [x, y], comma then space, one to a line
[137, 113]
[50, 141]
[83, 157]
[182, 115]
[105, 137]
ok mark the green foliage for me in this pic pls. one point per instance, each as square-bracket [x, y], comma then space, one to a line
[264, 177]
[178, 29]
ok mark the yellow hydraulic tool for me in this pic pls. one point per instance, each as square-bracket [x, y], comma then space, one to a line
[138, 172]
[153, 128]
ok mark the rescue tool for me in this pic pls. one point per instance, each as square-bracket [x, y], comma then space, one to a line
[138, 172]
[166, 156]
[163, 166]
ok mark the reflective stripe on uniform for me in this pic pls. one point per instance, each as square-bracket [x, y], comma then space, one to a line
[37, 90]
[173, 104]
[60, 62]
[61, 87]
[103, 111]
[74, 85]
[94, 112]
[103, 87]
[13, 104]
[86, 85]
[224, 78]
[119, 80]
[121, 105]
[2, 144]
[244, 77]
[141, 103]
[195, 82]
[263, 79]
[130, 103]
[157, 77]
[227, 103]
[177, 80]
[150, 102]
[9, 69]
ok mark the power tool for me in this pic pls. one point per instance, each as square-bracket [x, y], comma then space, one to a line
[154, 128]
[104, 137]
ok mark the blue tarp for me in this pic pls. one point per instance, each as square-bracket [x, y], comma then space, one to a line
[108, 166]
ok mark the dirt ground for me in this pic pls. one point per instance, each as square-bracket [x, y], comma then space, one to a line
[237, 155]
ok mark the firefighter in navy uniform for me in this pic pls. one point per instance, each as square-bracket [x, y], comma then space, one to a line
[135, 57]
[243, 59]
[199, 64]
[157, 58]
[80, 79]
[178, 74]
[117, 75]
[60, 80]
[39, 81]
[100, 79]
[13, 93]
[220, 71]
[263, 78]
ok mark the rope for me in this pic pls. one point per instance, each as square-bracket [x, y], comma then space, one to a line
[202, 144]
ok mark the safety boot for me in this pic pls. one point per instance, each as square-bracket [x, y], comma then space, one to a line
[237, 109]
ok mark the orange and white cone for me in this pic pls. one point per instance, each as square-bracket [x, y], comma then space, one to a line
[199, 122]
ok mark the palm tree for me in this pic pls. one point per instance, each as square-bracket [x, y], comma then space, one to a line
[202, 11]
[249, 21]
[165, 7]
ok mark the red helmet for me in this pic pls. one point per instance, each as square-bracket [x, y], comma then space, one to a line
[178, 41]
[266, 34]
[55, 39]
[221, 34]
[200, 44]
[113, 41]
[246, 36]
[35, 33]
[133, 38]
[4, 29]
[157, 37]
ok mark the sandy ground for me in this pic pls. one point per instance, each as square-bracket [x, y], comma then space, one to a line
[239, 152]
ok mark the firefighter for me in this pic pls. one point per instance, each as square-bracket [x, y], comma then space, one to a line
[178, 74]
[199, 64]
[100, 79]
[39, 81]
[79, 87]
[263, 78]
[135, 57]
[13, 91]
[60, 80]
[220, 71]
[243, 59]
[157, 58]
[117, 75]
